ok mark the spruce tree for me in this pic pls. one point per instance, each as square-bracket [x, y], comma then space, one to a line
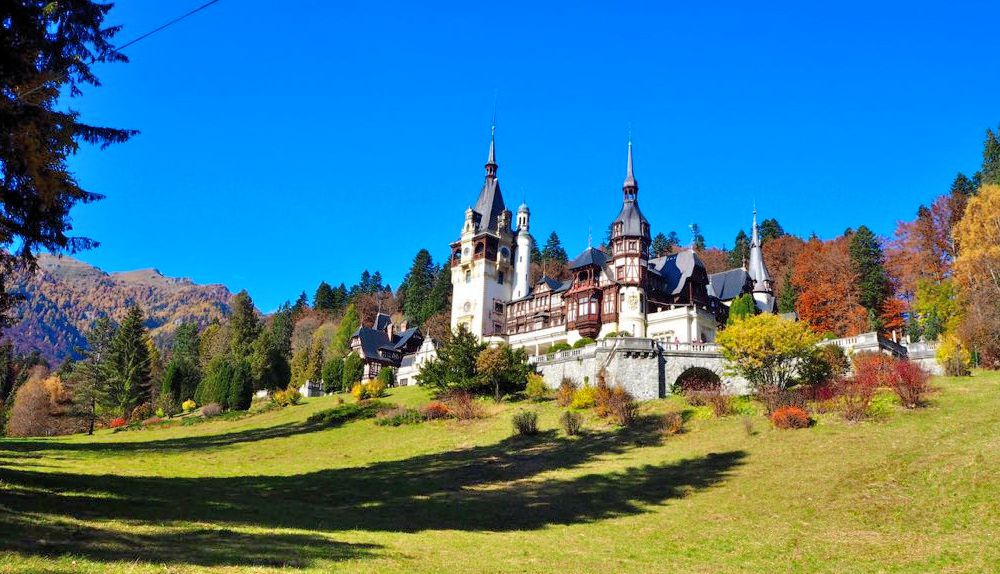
[340, 344]
[186, 343]
[660, 245]
[697, 239]
[129, 383]
[673, 240]
[324, 298]
[439, 299]
[742, 307]
[787, 295]
[49, 52]
[353, 370]
[417, 286]
[740, 253]
[244, 325]
[301, 304]
[991, 159]
[770, 229]
[240, 392]
[868, 265]
[553, 250]
[333, 377]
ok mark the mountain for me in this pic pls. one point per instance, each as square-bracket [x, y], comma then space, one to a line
[65, 296]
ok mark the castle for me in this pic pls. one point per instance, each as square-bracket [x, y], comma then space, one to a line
[620, 291]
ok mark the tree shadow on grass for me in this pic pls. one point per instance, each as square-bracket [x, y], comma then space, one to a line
[515, 484]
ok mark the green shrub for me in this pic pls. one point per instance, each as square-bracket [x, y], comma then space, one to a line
[882, 405]
[558, 347]
[348, 412]
[399, 416]
[525, 423]
[571, 423]
[584, 398]
[744, 406]
[536, 389]
[211, 410]
[583, 343]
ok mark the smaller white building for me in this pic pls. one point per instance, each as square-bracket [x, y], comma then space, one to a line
[410, 365]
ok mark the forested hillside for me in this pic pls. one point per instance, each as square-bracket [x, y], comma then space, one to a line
[64, 297]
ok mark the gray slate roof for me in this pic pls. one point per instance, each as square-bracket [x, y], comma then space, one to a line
[728, 285]
[676, 269]
[631, 218]
[590, 256]
[490, 204]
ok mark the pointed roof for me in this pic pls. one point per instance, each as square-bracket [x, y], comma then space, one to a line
[756, 268]
[490, 203]
[590, 256]
[630, 183]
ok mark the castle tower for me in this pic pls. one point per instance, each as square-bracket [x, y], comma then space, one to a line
[763, 286]
[482, 270]
[629, 256]
[522, 264]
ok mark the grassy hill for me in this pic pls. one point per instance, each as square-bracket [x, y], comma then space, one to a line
[64, 297]
[916, 493]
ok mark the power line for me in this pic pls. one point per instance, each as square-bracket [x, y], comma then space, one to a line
[138, 39]
[167, 25]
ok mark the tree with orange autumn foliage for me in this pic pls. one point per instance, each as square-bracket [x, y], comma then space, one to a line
[780, 254]
[827, 288]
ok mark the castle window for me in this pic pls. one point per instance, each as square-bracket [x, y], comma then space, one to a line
[500, 277]
[468, 276]
[498, 307]
[620, 273]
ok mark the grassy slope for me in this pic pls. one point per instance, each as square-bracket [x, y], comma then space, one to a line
[918, 493]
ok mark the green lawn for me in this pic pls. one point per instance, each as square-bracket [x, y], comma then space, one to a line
[918, 493]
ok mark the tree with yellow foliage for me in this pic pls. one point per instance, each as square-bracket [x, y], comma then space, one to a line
[977, 273]
[766, 349]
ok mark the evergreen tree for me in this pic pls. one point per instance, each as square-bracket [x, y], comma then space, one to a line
[439, 299]
[991, 159]
[315, 370]
[868, 265]
[770, 229]
[240, 392]
[660, 245]
[742, 307]
[340, 344]
[301, 304]
[89, 382]
[697, 239]
[740, 253]
[673, 240]
[417, 287]
[553, 250]
[244, 325]
[186, 343]
[536, 255]
[455, 364]
[129, 361]
[47, 54]
[282, 326]
[340, 297]
[269, 364]
[324, 299]
[353, 370]
[333, 375]
[787, 296]
[215, 386]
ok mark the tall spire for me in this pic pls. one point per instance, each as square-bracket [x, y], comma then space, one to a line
[756, 269]
[631, 186]
[754, 238]
[491, 162]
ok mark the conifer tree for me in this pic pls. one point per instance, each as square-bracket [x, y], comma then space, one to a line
[742, 307]
[48, 51]
[240, 391]
[697, 239]
[129, 365]
[787, 296]
[868, 265]
[324, 299]
[353, 370]
[770, 229]
[439, 299]
[341, 341]
[89, 380]
[991, 159]
[660, 245]
[333, 378]
[417, 287]
[553, 250]
[301, 304]
[673, 240]
[740, 253]
[244, 324]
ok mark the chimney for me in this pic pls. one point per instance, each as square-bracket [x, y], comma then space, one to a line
[388, 329]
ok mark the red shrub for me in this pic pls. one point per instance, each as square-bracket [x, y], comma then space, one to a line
[855, 396]
[790, 418]
[910, 383]
[434, 410]
[775, 398]
[117, 423]
[462, 405]
[824, 393]
[874, 369]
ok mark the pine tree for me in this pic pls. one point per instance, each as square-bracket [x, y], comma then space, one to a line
[89, 382]
[301, 304]
[324, 299]
[333, 377]
[787, 296]
[129, 361]
[244, 325]
[991, 159]
[770, 229]
[439, 299]
[660, 245]
[740, 253]
[868, 265]
[186, 343]
[48, 51]
[353, 370]
[240, 392]
[269, 364]
[553, 250]
[417, 287]
[697, 239]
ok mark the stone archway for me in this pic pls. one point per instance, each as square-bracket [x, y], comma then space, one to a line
[697, 378]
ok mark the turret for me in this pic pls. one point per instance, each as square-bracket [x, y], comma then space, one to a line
[522, 264]
[629, 255]
[763, 286]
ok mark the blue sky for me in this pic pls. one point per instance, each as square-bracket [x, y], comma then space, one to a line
[287, 143]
